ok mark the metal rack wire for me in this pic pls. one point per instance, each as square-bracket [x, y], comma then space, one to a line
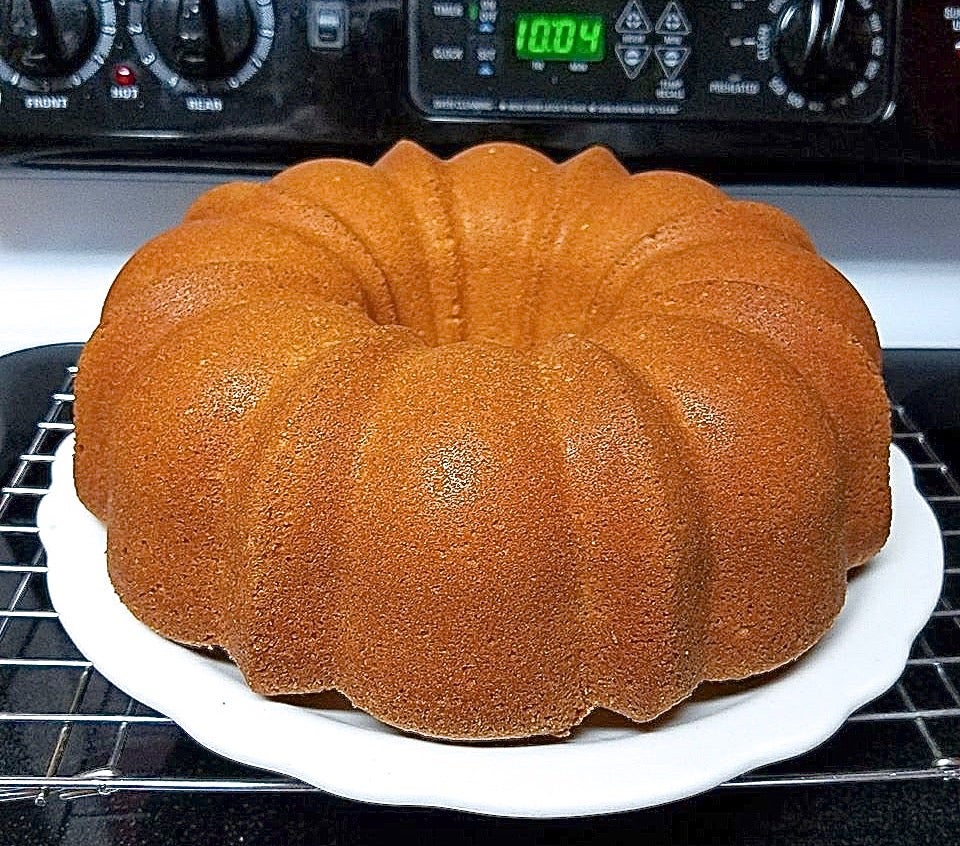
[66, 732]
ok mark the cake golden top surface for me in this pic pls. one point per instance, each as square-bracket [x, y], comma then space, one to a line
[485, 443]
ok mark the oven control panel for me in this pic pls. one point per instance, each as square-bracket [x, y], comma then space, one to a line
[716, 85]
[808, 60]
[136, 64]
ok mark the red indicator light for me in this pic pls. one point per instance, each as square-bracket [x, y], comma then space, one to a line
[124, 75]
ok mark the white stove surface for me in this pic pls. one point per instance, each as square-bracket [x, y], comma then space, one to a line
[63, 237]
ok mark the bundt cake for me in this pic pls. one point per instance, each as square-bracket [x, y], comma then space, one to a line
[486, 443]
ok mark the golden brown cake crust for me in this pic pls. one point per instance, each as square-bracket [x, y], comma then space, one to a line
[486, 443]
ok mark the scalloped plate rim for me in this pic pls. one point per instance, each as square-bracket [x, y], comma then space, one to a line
[595, 771]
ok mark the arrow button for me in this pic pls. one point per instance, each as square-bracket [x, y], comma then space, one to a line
[632, 58]
[633, 20]
[673, 21]
[672, 59]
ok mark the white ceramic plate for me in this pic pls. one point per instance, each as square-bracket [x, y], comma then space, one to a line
[600, 768]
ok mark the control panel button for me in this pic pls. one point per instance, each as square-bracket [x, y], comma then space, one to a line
[633, 58]
[672, 60]
[327, 25]
[673, 21]
[633, 20]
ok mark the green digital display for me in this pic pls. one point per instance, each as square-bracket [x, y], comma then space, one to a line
[559, 36]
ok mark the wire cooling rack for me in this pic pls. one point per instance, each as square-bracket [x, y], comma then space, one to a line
[67, 732]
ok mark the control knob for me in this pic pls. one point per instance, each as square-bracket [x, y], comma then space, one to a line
[48, 45]
[822, 47]
[200, 46]
[203, 39]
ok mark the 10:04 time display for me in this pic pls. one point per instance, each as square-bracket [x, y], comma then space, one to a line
[559, 36]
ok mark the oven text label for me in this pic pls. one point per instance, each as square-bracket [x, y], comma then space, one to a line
[124, 92]
[46, 101]
[204, 104]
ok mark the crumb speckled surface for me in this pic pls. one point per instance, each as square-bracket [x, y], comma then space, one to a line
[485, 443]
